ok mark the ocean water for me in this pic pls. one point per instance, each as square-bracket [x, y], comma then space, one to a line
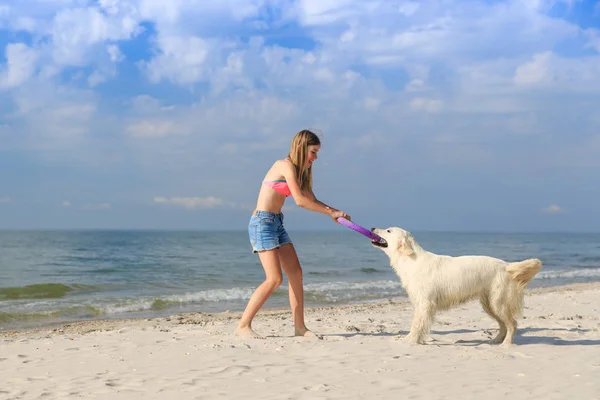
[48, 277]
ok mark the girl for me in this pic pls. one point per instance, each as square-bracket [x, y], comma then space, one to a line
[289, 177]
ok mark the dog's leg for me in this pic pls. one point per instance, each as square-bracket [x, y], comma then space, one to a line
[505, 303]
[511, 325]
[505, 314]
[421, 325]
[485, 303]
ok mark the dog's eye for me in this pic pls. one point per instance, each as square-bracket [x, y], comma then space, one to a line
[389, 231]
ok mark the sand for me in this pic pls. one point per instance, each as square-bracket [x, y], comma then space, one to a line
[362, 355]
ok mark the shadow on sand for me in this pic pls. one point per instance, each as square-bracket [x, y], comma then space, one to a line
[522, 337]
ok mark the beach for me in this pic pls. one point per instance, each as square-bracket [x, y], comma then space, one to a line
[556, 355]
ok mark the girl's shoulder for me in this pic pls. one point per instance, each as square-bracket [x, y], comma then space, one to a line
[278, 169]
[283, 163]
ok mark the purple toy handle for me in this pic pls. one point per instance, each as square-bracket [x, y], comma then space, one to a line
[360, 229]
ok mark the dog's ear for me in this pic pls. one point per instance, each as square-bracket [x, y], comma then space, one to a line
[406, 246]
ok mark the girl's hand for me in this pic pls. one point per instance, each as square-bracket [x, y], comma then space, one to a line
[337, 214]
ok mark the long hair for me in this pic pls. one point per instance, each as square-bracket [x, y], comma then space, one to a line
[298, 156]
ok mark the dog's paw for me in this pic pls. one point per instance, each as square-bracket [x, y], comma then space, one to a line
[498, 339]
[413, 340]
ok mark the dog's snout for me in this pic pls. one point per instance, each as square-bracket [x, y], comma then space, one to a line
[372, 229]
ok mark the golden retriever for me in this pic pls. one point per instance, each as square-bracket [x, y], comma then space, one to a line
[439, 282]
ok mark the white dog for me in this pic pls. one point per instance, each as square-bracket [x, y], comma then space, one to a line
[438, 282]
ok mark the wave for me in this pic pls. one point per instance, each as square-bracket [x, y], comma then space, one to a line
[569, 274]
[372, 271]
[165, 302]
[75, 312]
[364, 270]
[325, 273]
[40, 291]
[331, 292]
[342, 292]
[587, 259]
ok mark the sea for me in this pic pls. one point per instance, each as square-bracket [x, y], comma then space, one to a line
[52, 277]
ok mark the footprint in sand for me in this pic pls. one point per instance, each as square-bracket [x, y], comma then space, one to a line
[193, 382]
[232, 370]
[25, 359]
[522, 355]
[322, 387]
[112, 382]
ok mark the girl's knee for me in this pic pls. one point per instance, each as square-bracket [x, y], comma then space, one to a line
[274, 282]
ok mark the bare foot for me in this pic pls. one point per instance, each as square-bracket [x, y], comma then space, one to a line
[248, 332]
[307, 334]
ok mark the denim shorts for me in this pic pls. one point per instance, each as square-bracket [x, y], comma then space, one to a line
[266, 231]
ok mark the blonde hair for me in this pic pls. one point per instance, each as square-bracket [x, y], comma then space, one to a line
[298, 156]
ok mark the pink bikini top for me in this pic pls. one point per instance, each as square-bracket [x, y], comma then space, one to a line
[280, 186]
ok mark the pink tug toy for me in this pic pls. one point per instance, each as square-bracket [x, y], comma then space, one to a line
[360, 229]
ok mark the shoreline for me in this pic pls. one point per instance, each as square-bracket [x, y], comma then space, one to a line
[107, 324]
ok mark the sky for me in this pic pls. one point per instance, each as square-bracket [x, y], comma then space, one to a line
[451, 115]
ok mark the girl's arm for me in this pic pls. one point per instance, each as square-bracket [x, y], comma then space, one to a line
[312, 195]
[309, 201]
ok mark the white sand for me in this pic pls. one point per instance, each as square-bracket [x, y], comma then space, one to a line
[362, 356]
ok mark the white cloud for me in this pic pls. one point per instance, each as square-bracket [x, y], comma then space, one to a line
[25, 24]
[191, 202]
[5, 12]
[5, 199]
[593, 36]
[552, 209]
[152, 128]
[114, 53]
[320, 12]
[347, 36]
[48, 112]
[235, 116]
[182, 60]
[66, 204]
[560, 73]
[429, 105]
[162, 11]
[371, 103]
[455, 32]
[20, 65]
[536, 71]
[76, 31]
[97, 207]
[408, 8]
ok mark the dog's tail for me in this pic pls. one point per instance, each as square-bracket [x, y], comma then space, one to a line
[523, 271]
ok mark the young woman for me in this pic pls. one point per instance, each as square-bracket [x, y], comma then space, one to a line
[289, 177]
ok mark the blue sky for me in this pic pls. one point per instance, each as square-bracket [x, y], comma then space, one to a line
[437, 115]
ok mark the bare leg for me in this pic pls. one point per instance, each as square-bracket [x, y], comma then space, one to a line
[293, 271]
[270, 262]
